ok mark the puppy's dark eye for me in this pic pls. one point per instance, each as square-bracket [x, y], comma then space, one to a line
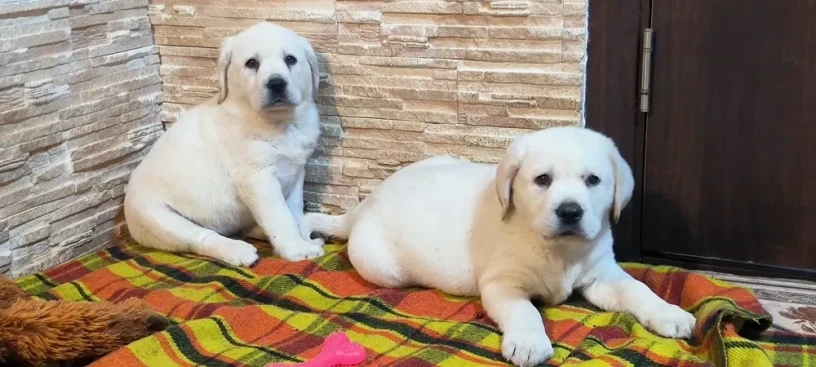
[290, 60]
[252, 64]
[543, 180]
[592, 180]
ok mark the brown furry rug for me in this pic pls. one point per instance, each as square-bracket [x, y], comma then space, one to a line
[33, 331]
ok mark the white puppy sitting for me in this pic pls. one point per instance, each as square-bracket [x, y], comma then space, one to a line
[536, 226]
[235, 166]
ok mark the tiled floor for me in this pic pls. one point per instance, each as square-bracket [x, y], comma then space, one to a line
[791, 302]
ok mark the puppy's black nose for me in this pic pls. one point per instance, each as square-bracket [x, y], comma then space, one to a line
[569, 212]
[276, 84]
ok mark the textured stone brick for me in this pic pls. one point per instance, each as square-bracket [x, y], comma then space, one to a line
[273, 13]
[8, 10]
[371, 17]
[79, 100]
[30, 236]
[526, 33]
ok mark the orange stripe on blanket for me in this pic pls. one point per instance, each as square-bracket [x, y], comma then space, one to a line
[122, 358]
[343, 284]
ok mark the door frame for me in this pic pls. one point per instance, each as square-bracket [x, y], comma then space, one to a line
[612, 91]
[612, 75]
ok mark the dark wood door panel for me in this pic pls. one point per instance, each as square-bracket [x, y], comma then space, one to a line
[612, 76]
[730, 157]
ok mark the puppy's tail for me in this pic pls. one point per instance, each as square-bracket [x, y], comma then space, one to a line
[334, 226]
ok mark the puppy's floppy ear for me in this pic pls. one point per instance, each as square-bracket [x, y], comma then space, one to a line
[311, 58]
[506, 173]
[223, 66]
[624, 181]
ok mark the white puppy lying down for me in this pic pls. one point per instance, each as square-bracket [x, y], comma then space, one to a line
[237, 162]
[535, 227]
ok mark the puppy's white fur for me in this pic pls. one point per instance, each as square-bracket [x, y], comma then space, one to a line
[471, 229]
[235, 165]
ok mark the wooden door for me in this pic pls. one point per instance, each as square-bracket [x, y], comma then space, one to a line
[730, 153]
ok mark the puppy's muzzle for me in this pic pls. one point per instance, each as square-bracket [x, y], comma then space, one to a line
[569, 213]
[569, 217]
[278, 95]
[276, 85]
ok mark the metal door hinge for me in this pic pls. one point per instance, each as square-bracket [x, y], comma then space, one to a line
[645, 71]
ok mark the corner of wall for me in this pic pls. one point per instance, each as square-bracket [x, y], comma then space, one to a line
[80, 103]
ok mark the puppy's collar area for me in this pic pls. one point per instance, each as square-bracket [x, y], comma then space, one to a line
[283, 115]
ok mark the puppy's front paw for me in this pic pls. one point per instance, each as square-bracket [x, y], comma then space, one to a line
[319, 242]
[671, 322]
[239, 253]
[526, 347]
[301, 250]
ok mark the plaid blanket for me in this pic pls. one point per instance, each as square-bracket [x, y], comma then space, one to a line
[281, 312]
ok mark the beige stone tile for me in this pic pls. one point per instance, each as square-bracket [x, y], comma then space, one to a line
[80, 100]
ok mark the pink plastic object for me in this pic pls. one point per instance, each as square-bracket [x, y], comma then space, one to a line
[337, 350]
